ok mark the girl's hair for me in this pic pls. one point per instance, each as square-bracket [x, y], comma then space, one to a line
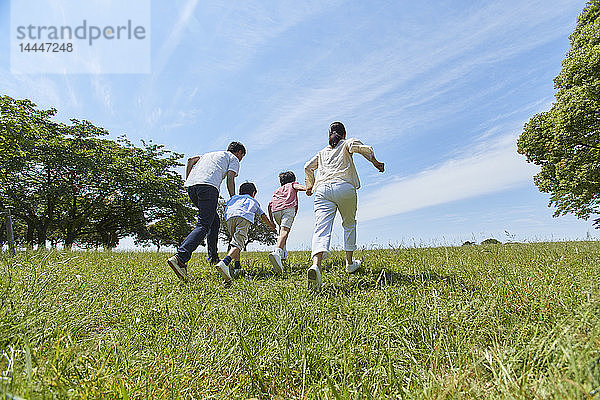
[337, 132]
[247, 188]
[287, 177]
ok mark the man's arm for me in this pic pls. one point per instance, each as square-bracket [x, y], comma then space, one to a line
[267, 221]
[231, 183]
[190, 164]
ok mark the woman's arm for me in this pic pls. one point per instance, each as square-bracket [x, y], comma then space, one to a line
[309, 173]
[356, 146]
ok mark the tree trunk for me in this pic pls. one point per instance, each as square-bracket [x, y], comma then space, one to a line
[42, 236]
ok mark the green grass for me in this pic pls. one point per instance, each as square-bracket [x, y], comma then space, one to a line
[498, 321]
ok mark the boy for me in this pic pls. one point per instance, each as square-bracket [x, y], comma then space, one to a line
[239, 215]
[283, 208]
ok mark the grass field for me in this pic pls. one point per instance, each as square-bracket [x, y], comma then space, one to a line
[498, 321]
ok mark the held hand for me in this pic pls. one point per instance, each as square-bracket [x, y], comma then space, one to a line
[379, 165]
[309, 191]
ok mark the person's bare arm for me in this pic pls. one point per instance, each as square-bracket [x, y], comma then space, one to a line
[231, 183]
[270, 213]
[309, 173]
[190, 164]
[267, 221]
[298, 187]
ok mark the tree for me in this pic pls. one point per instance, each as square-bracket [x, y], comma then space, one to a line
[258, 232]
[565, 141]
[171, 230]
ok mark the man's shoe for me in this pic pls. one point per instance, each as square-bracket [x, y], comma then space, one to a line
[315, 280]
[355, 266]
[213, 261]
[223, 270]
[178, 267]
[275, 259]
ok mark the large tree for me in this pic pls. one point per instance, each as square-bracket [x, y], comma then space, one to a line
[565, 141]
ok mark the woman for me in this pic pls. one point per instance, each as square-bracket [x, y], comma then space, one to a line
[335, 189]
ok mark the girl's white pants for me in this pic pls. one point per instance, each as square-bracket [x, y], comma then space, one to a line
[329, 198]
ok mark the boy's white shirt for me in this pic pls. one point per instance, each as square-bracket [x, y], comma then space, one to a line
[336, 164]
[212, 168]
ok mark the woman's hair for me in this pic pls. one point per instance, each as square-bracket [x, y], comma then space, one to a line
[247, 188]
[234, 147]
[287, 177]
[337, 132]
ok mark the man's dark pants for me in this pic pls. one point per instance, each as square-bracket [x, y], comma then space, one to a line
[205, 197]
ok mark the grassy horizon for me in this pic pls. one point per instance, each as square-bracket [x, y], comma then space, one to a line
[496, 321]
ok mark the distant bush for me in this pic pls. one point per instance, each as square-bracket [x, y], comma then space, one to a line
[467, 243]
[491, 241]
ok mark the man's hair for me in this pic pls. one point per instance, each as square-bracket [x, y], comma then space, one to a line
[234, 147]
[247, 188]
[337, 132]
[286, 177]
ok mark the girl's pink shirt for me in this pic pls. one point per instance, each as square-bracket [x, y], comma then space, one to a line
[285, 197]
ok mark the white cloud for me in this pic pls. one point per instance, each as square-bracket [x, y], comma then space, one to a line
[494, 169]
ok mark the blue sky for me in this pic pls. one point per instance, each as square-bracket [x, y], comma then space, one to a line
[440, 89]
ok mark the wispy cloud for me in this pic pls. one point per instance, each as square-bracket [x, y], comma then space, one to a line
[408, 76]
[496, 167]
[174, 38]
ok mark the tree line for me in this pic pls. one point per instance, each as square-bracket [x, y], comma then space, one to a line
[70, 184]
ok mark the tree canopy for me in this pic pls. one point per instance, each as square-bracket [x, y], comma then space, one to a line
[565, 141]
[71, 184]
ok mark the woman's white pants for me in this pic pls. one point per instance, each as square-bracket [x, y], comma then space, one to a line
[329, 198]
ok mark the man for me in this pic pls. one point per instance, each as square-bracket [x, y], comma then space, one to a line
[204, 175]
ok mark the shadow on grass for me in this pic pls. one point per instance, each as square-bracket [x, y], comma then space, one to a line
[379, 279]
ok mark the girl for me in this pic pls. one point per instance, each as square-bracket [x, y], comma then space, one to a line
[283, 208]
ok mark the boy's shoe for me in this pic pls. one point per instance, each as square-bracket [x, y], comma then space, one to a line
[235, 273]
[223, 270]
[355, 266]
[315, 279]
[178, 267]
[275, 259]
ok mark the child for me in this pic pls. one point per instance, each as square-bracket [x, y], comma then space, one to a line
[283, 208]
[239, 215]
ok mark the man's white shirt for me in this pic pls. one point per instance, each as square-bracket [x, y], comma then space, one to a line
[212, 168]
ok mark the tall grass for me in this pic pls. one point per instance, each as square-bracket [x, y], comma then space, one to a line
[499, 321]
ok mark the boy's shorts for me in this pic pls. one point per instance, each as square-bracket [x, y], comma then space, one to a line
[285, 217]
[238, 230]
